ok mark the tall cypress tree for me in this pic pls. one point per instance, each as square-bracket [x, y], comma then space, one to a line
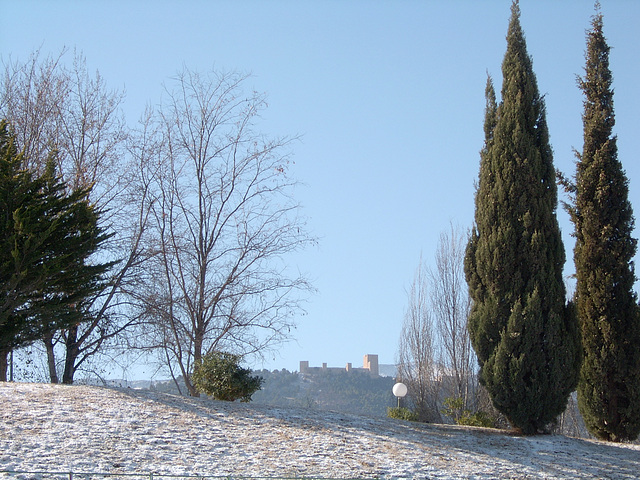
[523, 332]
[609, 385]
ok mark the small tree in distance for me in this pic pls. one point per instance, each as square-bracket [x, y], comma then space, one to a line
[450, 303]
[220, 376]
[417, 355]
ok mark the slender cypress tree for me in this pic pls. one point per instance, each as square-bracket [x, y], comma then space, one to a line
[609, 385]
[524, 334]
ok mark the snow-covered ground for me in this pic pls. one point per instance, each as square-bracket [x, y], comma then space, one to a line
[90, 429]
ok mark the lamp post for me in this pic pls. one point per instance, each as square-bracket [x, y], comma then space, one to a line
[399, 390]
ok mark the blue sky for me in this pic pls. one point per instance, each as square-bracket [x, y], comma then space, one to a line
[388, 98]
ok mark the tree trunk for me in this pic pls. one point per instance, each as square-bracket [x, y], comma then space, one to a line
[197, 358]
[51, 358]
[193, 392]
[4, 364]
[73, 350]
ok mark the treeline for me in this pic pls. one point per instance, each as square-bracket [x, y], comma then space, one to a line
[163, 240]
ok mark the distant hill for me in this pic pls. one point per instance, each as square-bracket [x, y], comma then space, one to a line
[388, 370]
[350, 392]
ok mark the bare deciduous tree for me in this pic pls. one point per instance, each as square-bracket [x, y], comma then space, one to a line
[223, 220]
[451, 304]
[52, 106]
[31, 99]
[417, 353]
[435, 354]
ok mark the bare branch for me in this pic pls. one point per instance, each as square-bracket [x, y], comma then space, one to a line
[223, 220]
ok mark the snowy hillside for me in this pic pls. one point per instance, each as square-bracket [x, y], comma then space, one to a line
[84, 429]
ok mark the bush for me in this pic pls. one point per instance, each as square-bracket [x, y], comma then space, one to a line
[478, 419]
[454, 408]
[220, 376]
[402, 413]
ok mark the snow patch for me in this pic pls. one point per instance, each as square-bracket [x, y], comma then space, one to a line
[90, 429]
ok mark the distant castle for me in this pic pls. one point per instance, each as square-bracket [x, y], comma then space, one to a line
[370, 365]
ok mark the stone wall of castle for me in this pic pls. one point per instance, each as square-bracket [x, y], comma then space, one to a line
[370, 365]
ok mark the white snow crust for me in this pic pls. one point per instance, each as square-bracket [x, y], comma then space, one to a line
[91, 429]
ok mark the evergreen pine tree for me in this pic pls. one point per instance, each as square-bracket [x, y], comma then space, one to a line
[524, 334]
[609, 385]
[47, 236]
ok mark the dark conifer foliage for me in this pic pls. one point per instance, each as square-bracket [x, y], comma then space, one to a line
[47, 236]
[522, 330]
[609, 386]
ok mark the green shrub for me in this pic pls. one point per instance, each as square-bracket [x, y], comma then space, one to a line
[219, 375]
[478, 419]
[402, 413]
[454, 408]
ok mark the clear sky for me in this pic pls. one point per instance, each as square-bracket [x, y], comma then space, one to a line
[388, 97]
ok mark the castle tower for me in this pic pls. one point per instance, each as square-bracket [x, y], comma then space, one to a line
[370, 363]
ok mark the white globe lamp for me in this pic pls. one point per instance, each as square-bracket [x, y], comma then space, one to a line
[399, 390]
